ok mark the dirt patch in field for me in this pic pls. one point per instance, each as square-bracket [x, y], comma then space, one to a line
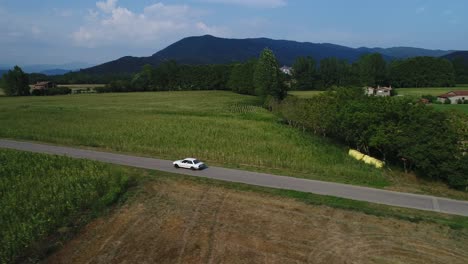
[186, 222]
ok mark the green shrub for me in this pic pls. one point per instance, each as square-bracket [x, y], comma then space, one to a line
[390, 128]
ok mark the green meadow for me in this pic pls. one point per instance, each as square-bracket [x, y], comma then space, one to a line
[435, 91]
[221, 128]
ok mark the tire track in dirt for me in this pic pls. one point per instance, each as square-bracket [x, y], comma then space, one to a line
[191, 224]
[213, 229]
[184, 222]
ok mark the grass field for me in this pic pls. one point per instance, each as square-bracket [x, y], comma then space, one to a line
[459, 107]
[177, 219]
[221, 128]
[39, 193]
[435, 91]
[81, 86]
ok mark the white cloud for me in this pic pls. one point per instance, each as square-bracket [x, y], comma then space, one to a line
[107, 6]
[251, 3]
[158, 23]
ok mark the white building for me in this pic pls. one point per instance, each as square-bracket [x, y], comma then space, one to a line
[455, 97]
[286, 70]
[379, 91]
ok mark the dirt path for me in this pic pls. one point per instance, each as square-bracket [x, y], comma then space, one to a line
[184, 222]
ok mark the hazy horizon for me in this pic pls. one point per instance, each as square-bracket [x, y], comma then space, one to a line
[93, 32]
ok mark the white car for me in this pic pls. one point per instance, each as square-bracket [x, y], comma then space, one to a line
[189, 163]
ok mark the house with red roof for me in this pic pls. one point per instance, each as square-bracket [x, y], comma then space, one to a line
[455, 97]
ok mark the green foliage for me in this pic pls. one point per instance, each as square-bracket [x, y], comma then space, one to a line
[335, 72]
[372, 70]
[241, 78]
[422, 72]
[460, 66]
[52, 91]
[15, 82]
[170, 76]
[398, 130]
[267, 77]
[40, 193]
[304, 73]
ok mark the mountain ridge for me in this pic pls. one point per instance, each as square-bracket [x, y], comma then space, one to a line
[208, 49]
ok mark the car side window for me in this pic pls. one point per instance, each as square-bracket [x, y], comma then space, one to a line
[189, 162]
[184, 161]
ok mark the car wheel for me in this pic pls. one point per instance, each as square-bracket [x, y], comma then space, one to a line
[192, 168]
[176, 166]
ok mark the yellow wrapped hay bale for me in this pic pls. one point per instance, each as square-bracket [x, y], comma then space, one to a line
[356, 154]
[367, 159]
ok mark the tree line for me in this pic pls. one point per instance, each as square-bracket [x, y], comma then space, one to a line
[372, 70]
[307, 74]
[244, 78]
[260, 77]
[398, 130]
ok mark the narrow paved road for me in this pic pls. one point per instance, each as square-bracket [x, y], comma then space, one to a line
[422, 202]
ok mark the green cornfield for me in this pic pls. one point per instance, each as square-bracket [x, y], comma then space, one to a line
[219, 127]
[41, 193]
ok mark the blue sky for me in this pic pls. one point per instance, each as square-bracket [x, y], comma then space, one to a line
[56, 32]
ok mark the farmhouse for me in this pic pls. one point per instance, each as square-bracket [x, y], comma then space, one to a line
[379, 91]
[455, 97]
[286, 70]
[43, 85]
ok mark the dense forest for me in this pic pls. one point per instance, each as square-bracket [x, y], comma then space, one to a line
[307, 74]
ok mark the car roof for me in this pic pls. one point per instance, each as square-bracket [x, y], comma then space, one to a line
[192, 159]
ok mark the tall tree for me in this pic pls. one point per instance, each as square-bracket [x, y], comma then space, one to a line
[267, 76]
[335, 72]
[304, 73]
[460, 66]
[241, 78]
[15, 82]
[372, 69]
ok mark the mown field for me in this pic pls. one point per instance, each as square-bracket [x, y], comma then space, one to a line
[435, 91]
[221, 128]
[41, 193]
[459, 107]
[177, 219]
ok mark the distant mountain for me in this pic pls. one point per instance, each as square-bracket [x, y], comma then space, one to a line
[407, 52]
[3, 72]
[457, 54]
[213, 50]
[50, 69]
[55, 72]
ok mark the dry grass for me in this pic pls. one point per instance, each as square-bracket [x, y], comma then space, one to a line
[181, 221]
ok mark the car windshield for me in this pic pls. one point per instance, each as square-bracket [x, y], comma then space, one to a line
[196, 161]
